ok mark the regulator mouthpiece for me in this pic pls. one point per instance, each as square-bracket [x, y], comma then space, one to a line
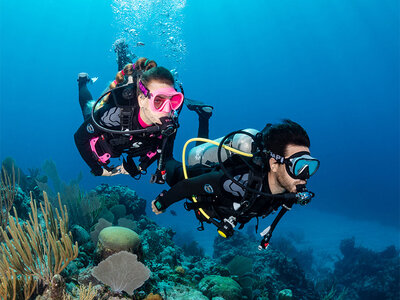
[303, 196]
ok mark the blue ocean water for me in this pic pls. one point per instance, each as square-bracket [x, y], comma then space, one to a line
[332, 66]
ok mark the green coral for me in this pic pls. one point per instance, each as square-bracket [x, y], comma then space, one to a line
[285, 294]
[226, 287]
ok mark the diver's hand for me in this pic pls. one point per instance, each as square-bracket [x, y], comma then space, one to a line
[122, 170]
[113, 171]
[154, 208]
[157, 205]
[109, 173]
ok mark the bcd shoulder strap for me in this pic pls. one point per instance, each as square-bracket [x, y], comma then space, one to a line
[126, 117]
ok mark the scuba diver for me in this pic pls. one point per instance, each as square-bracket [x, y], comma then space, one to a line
[136, 117]
[249, 175]
[204, 111]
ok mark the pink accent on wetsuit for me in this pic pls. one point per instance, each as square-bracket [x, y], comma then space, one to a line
[104, 157]
[151, 154]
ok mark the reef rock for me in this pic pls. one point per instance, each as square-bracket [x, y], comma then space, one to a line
[219, 286]
[182, 292]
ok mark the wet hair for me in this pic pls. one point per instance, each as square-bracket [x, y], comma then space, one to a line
[277, 137]
[159, 74]
[142, 64]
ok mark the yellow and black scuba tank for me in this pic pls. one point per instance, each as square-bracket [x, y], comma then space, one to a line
[206, 154]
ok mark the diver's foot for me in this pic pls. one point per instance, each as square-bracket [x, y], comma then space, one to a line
[124, 54]
[83, 79]
[202, 109]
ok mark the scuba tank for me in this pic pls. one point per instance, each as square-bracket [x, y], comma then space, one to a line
[206, 154]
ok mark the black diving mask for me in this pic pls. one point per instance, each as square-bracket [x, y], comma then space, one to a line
[300, 165]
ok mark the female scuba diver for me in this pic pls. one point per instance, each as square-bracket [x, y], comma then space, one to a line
[255, 175]
[136, 116]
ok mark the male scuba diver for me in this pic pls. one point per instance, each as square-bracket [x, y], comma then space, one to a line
[270, 171]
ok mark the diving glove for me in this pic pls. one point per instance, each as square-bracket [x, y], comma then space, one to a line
[157, 204]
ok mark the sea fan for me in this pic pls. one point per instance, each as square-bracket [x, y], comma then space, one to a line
[122, 272]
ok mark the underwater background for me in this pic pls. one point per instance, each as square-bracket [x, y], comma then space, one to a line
[331, 66]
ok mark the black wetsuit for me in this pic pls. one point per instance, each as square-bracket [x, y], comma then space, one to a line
[108, 116]
[217, 192]
[144, 146]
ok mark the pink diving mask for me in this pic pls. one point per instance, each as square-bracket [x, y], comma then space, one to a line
[164, 99]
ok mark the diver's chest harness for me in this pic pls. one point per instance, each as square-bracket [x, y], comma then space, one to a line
[147, 143]
[226, 217]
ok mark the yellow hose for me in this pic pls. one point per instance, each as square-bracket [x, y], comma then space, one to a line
[211, 142]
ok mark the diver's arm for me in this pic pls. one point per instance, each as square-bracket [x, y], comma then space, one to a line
[107, 116]
[189, 187]
[174, 171]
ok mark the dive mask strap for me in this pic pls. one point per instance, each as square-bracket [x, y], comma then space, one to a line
[144, 89]
[277, 157]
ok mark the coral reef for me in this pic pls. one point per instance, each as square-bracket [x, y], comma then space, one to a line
[303, 257]
[275, 271]
[285, 295]
[219, 286]
[179, 268]
[119, 195]
[8, 191]
[366, 274]
[36, 252]
[193, 249]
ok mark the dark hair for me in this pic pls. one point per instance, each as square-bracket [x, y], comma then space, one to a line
[160, 74]
[277, 136]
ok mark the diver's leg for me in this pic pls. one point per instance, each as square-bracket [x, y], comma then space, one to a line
[124, 54]
[204, 126]
[204, 112]
[84, 95]
[174, 170]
